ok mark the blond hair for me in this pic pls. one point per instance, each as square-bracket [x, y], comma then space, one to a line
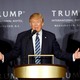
[36, 16]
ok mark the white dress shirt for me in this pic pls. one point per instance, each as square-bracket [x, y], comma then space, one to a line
[34, 38]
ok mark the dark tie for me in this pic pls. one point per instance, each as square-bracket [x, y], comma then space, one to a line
[37, 50]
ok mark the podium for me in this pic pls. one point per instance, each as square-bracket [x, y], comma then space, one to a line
[40, 71]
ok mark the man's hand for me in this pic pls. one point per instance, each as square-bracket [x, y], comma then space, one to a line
[77, 54]
[1, 56]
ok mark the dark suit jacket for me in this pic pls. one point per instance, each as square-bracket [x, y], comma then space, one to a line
[5, 47]
[74, 67]
[24, 47]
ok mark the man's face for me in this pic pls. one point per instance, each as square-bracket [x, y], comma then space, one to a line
[36, 24]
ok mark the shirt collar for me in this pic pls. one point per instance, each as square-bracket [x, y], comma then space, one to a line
[40, 32]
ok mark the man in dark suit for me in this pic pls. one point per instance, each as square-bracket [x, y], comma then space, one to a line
[25, 44]
[5, 47]
[74, 67]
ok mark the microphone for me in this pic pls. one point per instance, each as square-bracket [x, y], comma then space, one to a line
[33, 32]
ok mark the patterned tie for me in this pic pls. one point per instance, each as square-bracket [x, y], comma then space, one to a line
[37, 50]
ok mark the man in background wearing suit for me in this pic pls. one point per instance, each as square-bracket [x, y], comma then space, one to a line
[5, 47]
[25, 44]
[74, 67]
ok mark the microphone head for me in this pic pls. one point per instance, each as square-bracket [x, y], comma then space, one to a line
[34, 31]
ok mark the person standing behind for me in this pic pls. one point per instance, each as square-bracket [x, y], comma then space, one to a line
[5, 47]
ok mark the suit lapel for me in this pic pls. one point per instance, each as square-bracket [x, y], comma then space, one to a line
[28, 45]
[44, 42]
